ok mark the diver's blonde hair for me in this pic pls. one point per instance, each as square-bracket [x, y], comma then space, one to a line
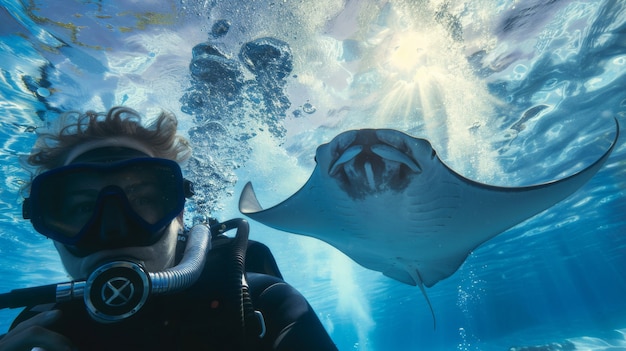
[75, 128]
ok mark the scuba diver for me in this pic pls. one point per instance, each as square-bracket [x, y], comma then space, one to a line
[110, 193]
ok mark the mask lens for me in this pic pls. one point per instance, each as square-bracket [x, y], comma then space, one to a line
[64, 200]
[72, 204]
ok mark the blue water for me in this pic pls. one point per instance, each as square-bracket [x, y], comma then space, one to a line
[509, 92]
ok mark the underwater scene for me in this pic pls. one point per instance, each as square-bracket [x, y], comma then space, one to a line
[508, 93]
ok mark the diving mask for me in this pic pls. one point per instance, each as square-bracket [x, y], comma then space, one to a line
[69, 204]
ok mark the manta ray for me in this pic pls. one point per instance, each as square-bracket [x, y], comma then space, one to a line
[386, 200]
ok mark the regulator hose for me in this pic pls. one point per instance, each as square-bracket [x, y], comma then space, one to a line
[190, 267]
[251, 323]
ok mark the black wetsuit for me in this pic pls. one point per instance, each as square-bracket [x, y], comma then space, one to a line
[194, 319]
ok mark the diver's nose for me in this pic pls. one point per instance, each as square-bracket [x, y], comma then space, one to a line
[113, 225]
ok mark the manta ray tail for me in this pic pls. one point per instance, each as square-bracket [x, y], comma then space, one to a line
[405, 272]
[418, 280]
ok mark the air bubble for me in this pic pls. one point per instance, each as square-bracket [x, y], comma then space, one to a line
[220, 28]
[43, 92]
[308, 108]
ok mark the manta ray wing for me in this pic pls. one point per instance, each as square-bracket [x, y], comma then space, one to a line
[387, 201]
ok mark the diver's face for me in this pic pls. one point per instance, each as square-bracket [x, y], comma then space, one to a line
[118, 238]
[154, 258]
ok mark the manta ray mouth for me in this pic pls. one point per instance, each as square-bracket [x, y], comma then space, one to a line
[384, 151]
[365, 163]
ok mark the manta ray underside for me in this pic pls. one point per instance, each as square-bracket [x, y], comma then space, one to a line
[387, 201]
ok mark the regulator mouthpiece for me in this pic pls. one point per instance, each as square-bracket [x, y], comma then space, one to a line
[118, 290]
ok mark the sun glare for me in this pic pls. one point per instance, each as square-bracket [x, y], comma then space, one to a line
[423, 82]
[411, 81]
[409, 51]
